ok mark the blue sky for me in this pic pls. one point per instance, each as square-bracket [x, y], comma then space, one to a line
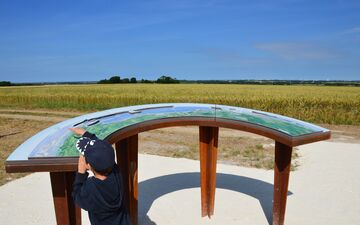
[187, 39]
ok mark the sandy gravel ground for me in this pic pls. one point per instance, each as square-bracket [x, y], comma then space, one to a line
[325, 190]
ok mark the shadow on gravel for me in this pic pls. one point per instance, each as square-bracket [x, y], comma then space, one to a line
[151, 189]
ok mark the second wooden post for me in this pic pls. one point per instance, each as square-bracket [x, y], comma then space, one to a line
[281, 181]
[208, 156]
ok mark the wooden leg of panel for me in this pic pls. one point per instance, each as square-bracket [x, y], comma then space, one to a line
[208, 156]
[66, 212]
[281, 181]
[127, 159]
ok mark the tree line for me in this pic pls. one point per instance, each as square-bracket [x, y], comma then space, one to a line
[111, 80]
[170, 80]
[118, 80]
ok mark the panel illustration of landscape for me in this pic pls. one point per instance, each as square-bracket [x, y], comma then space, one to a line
[62, 142]
[283, 124]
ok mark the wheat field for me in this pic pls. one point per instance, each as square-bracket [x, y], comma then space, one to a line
[317, 104]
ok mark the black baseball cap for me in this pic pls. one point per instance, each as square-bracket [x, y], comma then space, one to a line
[98, 153]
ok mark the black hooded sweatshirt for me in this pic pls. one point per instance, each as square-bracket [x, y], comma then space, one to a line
[103, 199]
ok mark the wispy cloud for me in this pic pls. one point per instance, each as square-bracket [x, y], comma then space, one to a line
[228, 56]
[299, 51]
[353, 30]
[178, 5]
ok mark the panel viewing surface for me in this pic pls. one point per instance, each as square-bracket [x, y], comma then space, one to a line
[59, 141]
[287, 125]
[62, 143]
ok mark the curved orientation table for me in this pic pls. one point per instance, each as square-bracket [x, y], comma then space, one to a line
[53, 149]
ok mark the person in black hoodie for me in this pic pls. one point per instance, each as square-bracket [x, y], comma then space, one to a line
[102, 195]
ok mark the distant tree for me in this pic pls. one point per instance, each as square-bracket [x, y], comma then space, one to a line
[133, 80]
[163, 79]
[115, 80]
[125, 80]
[167, 80]
[146, 81]
[105, 81]
[5, 83]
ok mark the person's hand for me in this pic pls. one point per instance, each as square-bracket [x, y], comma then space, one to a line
[82, 164]
[78, 130]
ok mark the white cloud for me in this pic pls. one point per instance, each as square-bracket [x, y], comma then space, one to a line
[353, 30]
[299, 51]
[228, 56]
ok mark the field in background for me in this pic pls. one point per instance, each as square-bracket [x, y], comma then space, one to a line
[317, 104]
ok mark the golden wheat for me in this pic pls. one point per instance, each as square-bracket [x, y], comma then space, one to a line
[318, 104]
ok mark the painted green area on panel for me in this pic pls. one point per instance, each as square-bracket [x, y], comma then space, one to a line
[288, 126]
[103, 130]
[60, 142]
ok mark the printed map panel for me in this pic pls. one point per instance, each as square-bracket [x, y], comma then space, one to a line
[59, 141]
[62, 143]
[287, 125]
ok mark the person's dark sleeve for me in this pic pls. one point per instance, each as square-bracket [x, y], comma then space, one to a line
[80, 193]
[90, 135]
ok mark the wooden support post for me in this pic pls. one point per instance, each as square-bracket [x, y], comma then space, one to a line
[66, 212]
[208, 156]
[281, 181]
[127, 159]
